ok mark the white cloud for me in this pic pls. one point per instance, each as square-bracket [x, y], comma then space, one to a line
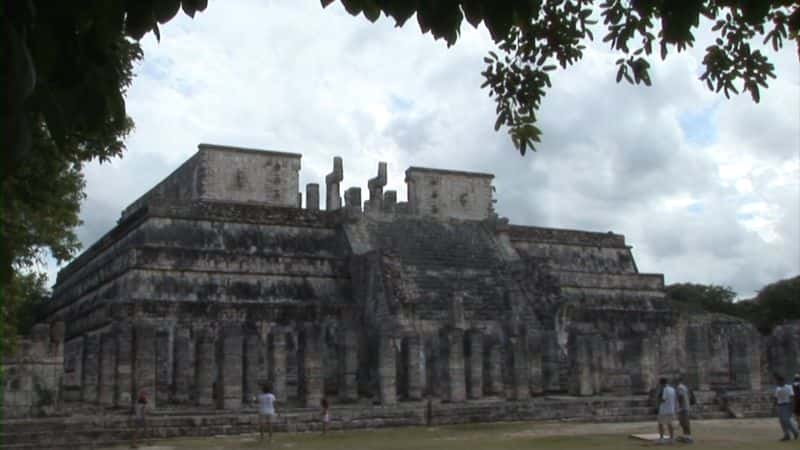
[705, 189]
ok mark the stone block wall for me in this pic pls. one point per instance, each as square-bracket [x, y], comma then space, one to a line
[447, 194]
[32, 376]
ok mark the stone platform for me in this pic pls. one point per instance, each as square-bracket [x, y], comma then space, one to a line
[84, 431]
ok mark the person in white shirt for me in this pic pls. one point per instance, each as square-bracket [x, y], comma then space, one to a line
[266, 410]
[666, 409]
[684, 404]
[784, 396]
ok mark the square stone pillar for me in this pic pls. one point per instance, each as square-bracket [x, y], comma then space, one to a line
[746, 361]
[475, 371]
[495, 370]
[205, 368]
[312, 196]
[535, 344]
[91, 368]
[230, 371]
[414, 360]
[108, 362]
[144, 378]
[581, 378]
[252, 366]
[456, 376]
[348, 388]
[387, 371]
[277, 365]
[520, 368]
[123, 392]
[551, 362]
[697, 355]
[642, 365]
[312, 373]
[163, 366]
[183, 355]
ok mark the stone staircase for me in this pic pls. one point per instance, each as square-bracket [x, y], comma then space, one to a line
[84, 431]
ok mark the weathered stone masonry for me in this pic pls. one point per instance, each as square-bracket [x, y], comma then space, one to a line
[216, 281]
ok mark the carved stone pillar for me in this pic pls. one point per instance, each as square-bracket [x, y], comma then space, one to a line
[475, 372]
[348, 388]
[746, 361]
[387, 371]
[277, 364]
[375, 186]
[535, 344]
[352, 198]
[230, 370]
[495, 372]
[91, 353]
[332, 180]
[551, 362]
[642, 365]
[520, 368]
[456, 379]
[581, 379]
[312, 196]
[164, 366]
[145, 361]
[697, 349]
[108, 361]
[312, 373]
[414, 366]
[183, 356]
[124, 370]
[205, 368]
[390, 201]
[252, 369]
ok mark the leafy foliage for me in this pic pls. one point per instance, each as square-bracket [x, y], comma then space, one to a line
[536, 37]
[775, 302]
[23, 297]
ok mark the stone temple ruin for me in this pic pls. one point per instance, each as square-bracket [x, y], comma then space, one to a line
[218, 280]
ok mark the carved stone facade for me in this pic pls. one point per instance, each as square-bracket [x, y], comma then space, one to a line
[216, 281]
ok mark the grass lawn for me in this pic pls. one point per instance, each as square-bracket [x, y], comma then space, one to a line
[713, 434]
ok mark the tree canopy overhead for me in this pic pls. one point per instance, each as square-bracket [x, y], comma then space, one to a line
[535, 37]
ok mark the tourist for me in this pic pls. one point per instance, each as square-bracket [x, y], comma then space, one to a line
[666, 411]
[684, 403]
[783, 402]
[139, 422]
[326, 417]
[796, 388]
[266, 410]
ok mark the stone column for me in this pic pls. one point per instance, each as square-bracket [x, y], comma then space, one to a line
[183, 357]
[697, 356]
[745, 361]
[163, 366]
[642, 356]
[91, 366]
[312, 196]
[387, 371]
[145, 361]
[581, 380]
[551, 362]
[230, 371]
[495, 372]
[390, 201]
[312, 374]
[375, 186]
[252, 369]
[414, 366]
[535, 344]
[205, 368]
[277, 364]
[352, 198]
[108, 362]
[348, 388]
[124, 370]
[332, 180]
[520, 368]
[475, 372]
[456, 379]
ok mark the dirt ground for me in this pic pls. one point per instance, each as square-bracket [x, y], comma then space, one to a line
[711, 434]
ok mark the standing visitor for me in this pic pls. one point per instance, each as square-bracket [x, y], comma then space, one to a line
[266, 410]
[326, 417]
[784, 396]
[666, 410]
[684, 404]
[139, 421]
[796, 388]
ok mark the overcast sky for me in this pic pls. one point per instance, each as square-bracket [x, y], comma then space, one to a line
[705, 189]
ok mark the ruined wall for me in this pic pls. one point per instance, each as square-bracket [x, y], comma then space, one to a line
[449, 194]
[783, 350]
[32, 376]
